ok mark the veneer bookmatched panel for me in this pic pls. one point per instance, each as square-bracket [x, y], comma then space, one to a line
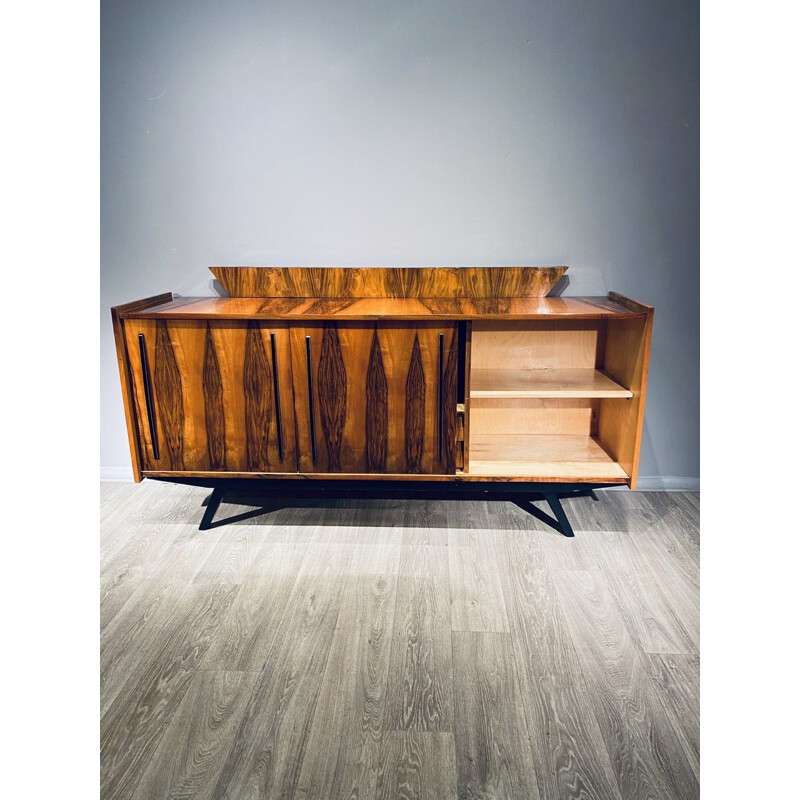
[375, 397]
[397, 282]
[209, 397]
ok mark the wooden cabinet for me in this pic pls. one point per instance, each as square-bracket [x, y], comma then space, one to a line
[437, 374]
[212, 395]
[375, 397]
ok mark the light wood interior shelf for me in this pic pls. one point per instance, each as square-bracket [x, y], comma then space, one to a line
[544, 383]
[543, 457]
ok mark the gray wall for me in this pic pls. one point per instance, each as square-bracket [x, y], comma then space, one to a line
[410, 133]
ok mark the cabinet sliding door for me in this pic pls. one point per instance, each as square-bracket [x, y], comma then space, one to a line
[212, 396]
[374, 397]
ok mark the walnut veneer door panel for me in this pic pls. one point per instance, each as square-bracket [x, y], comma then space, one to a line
[217, 402]
[420, 361]
[368, 397]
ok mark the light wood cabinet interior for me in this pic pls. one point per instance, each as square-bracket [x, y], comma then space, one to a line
[558, 400]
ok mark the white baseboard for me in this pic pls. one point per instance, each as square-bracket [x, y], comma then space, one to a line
[669, 483]
[119, 474]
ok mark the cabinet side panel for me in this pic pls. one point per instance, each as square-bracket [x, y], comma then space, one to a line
[128, 401]
[627, 358]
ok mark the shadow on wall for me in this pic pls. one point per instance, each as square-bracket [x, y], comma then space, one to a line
[560, 286]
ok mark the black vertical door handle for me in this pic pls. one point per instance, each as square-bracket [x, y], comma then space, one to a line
[311, 423]
[441, 395]
[277, 392]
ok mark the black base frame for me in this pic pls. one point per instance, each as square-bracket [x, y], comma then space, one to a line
[523, 494]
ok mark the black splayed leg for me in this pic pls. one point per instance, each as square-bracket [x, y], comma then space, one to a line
[214, 500]
[559, 513]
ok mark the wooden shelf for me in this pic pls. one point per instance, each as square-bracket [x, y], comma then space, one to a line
[544, 383]
[543, 457]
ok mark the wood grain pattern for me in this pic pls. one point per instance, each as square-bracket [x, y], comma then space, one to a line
[569, 752]
[247, 634]
[257, 401]
[332, 393]
[495, 760]
[537, 345]
[148, 619]
[476, 593]
[647, 756]
[633, 305]
[339, 366]
[214, 406]
[194, 747]
[531, 416]
[420, 695]
[270, 744]
[415, 410]
[135, 722]
[168, 387]
[653, 624]
[304, 309]
[377, 409]
[226, 419]
[425, 282]
[677, 683]
[545, 383]
[410, 354]
[354, 366]
[449, 400]
[501, 471]
[417, 765]
[560, 457]
[671, 564]
[349, 719]
[311, 653]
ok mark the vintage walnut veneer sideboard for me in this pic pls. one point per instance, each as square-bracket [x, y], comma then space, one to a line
[464, 378]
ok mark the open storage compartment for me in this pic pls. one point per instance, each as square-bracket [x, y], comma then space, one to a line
[556, 400]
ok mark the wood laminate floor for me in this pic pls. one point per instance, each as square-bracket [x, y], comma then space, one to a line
[398, 649]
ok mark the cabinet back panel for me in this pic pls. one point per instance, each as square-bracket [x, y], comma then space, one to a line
[576, 344]
[498, 416]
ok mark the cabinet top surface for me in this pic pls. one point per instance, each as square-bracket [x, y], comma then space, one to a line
[354, 309]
